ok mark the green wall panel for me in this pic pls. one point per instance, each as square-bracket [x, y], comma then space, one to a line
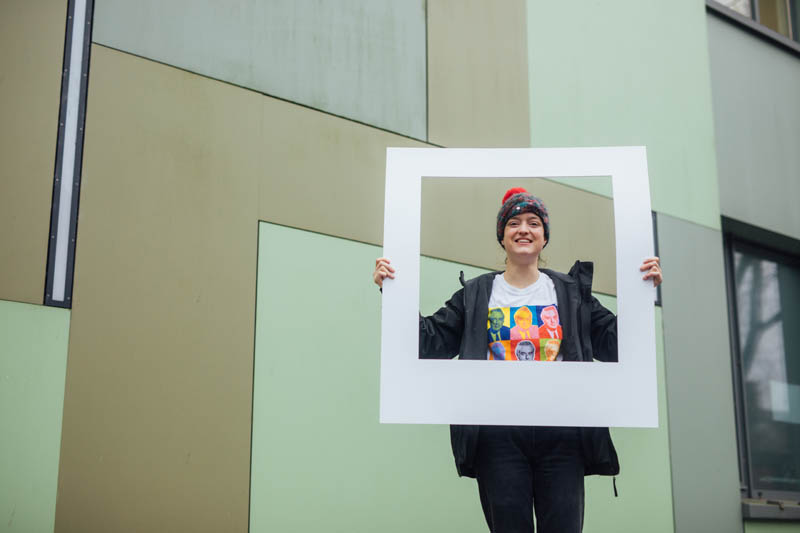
[705, 473]
[321, 460]
[361, 59]
[629, 73]
[645, 478]
[33, 362]
[756, 88]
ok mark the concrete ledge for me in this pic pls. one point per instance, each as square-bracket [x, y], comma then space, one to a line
[770, 510]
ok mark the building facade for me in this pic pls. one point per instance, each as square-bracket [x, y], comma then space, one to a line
[213, 364]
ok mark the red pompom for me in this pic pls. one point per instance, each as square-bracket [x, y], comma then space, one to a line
[511, 192]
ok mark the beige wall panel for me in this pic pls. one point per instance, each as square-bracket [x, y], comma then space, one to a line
[325, 174]
[478, 73]
[581, 225]
[158, 398]
[322, 173]
[31, 54]
[177, 170]
[156, 433]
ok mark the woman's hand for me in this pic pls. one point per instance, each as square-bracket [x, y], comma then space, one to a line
[383, 270]
[652, 268]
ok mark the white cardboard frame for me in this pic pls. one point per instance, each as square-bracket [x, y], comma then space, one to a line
[436, 391]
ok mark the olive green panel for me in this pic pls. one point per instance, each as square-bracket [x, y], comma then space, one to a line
[477, 74]
[766, 526]
[629, 73]
[704, 456]
[31, 55]
[321, 460]
[459, 221]
[177, 170]
[33, 361]
[340, 171]
[757, 117]
[322, 173]
[158, 397]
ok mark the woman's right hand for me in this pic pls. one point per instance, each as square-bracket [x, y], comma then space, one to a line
[383, 270]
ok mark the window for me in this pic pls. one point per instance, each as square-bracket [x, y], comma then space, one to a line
[743, 7]
[780, 16]
[763, 275]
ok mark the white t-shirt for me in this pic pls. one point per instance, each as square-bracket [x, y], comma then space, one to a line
[523, 324]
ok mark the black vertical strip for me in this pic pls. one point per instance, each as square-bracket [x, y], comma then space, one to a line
[253, 384]
[655, 250]
[81, 122]
[736, 367]
[76, 189]
[62, 119]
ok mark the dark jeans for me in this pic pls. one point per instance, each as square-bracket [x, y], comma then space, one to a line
[523, 467]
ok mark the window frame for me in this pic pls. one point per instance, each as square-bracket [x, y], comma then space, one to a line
[752, 25]
[779, 248]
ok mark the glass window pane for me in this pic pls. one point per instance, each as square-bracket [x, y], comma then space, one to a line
[741, 6]
[768, 309]
[794, 15]
[774, 14]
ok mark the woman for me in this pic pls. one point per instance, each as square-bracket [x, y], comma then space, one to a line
[549, 316]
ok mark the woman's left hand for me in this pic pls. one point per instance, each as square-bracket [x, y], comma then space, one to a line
[652, 268]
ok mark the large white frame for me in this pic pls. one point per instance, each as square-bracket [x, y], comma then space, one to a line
[435, 391]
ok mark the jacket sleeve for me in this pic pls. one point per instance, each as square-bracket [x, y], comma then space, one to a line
[440, 334]
[603, 333]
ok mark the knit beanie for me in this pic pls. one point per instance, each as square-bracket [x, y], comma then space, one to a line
[517, 201]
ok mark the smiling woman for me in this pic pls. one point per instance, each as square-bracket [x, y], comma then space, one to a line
[529, 315]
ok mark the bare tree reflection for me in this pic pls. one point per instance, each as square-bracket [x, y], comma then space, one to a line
[761, 340]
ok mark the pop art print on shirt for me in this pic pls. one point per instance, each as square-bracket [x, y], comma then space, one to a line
[550, 325]
[524, 333]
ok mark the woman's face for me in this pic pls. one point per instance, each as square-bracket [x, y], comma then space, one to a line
[523, 237]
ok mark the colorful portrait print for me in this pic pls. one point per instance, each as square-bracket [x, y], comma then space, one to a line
[549, 323]
[525, 351]
[550, 348]
[498, 329]
[526, 333]
[524, 326]
[500, 351]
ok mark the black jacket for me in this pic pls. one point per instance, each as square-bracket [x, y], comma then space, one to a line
[590, 332]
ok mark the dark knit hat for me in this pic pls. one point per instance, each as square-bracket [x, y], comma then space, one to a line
[517, 201]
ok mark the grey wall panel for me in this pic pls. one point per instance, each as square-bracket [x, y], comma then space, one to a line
[361, 59]
[755, 88]
[705, 476]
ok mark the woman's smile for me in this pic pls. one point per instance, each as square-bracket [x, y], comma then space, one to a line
[524, 234]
